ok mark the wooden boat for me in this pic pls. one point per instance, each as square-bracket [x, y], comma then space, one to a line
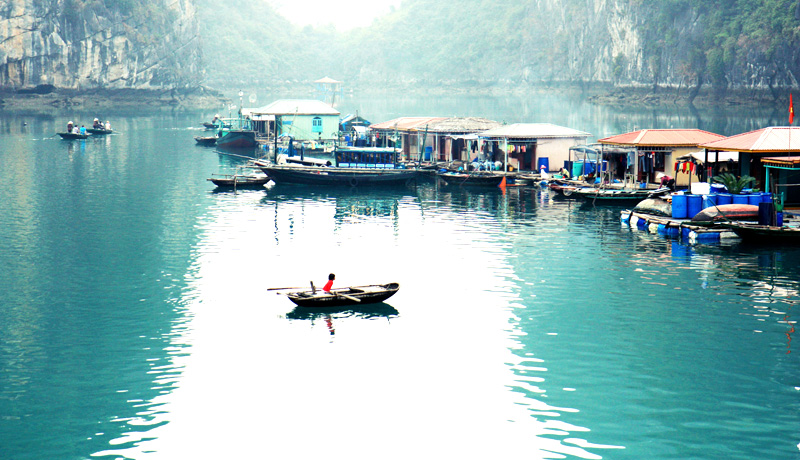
[240, 181]
[764, 234]
[208, 125]
[470, 179]
[100, 131]
[727, 212]
[71, 136]
[237, 138]
[356, 295]
[613, 195]
[205, 140]
[353, 177]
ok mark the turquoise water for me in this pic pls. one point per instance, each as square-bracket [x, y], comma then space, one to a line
[135, 320]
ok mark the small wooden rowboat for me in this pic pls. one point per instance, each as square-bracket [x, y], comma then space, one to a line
[205, 140]
[240, 180]
[764, 234]
[99, 130]
[355, 295]
[73, 136]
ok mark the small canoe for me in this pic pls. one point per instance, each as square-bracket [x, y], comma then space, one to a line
[727, 212]
[240, 181]
[73, 136]
[99, 131]
[205, 140]
[356, 295]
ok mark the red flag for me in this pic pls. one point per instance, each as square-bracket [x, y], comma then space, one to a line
[791, 110]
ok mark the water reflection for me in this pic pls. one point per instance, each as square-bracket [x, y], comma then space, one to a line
[372, 311]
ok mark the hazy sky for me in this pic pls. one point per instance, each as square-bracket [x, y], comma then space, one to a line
[344, 14]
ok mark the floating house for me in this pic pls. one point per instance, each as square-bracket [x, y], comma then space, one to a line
[409, 134]
[527, 146]
[303, 119]
[456, 139]
[655, 152]
[329, 90]
[771, 155]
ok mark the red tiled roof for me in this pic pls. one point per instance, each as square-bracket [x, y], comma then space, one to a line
[663, 137]
[406, 123]
[773, 139]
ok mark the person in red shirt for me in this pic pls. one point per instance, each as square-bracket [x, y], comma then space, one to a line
[329, 284]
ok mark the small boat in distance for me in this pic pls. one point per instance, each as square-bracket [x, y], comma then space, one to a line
[70, 136]
[355, 295]
[99, 131]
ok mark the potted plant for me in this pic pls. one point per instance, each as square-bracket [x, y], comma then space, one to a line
[734, 184]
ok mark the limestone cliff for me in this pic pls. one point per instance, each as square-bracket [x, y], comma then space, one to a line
[88, 44]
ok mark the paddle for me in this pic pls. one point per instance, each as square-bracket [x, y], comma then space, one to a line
[284, 288]
[348, 297]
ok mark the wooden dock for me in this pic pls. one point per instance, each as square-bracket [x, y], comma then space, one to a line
[683, 229]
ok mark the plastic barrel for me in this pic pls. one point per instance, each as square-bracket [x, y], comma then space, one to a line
[765, 213]
[679, 207]
[694, 205]
[543, 161]
[780, 219]
[754, 199]
[740, 199]
[766, 197]
[724, 198]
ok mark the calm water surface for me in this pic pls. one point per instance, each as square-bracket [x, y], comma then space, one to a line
[135, 320]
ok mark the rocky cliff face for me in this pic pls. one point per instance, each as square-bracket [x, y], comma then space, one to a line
[631, 42]
[87, 44]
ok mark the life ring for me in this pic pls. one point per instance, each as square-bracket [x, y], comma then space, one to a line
[353, 182]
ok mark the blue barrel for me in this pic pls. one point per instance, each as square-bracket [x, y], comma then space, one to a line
[694, 205]
[679, 207]
[717, 188]
[740, 199]
[779, 215]
[724, 198]
[543, 161]
[754, 199]
[766, 197]
[765, 213]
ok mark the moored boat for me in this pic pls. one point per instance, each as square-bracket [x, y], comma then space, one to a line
[478, 179]
[237, 138]
[616, 195]
[764, 234]
[353, 177]
[240, 181]
[344, 296]
[205, 140]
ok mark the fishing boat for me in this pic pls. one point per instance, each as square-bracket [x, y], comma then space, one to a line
[71, 136]
[477, 179]
[237, 138]
[100, 131]
[351, 167]
[205, 140]
[355, 295]
[764, 234]
[240, 180]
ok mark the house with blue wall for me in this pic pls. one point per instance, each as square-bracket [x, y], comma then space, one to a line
[303, 119]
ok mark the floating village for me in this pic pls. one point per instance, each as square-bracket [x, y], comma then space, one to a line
[690, 184]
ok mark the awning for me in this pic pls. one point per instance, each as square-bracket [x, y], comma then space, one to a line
[466, 137]
[263, 117]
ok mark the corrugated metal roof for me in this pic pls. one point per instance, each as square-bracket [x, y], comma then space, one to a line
[406, 123]
[773, 139]
[296, 107]
[461, 125]
[533, 131]
[327, 80]
[663, 137]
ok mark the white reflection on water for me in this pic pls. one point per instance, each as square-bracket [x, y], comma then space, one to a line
[437, 379]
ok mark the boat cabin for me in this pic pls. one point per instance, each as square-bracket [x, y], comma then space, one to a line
[365, 157]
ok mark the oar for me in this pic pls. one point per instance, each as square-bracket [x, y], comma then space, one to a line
[282, 289]
[348, 297]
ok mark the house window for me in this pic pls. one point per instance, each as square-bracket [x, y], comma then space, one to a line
[316, 125]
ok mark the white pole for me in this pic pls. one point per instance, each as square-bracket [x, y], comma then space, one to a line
[505, 148]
